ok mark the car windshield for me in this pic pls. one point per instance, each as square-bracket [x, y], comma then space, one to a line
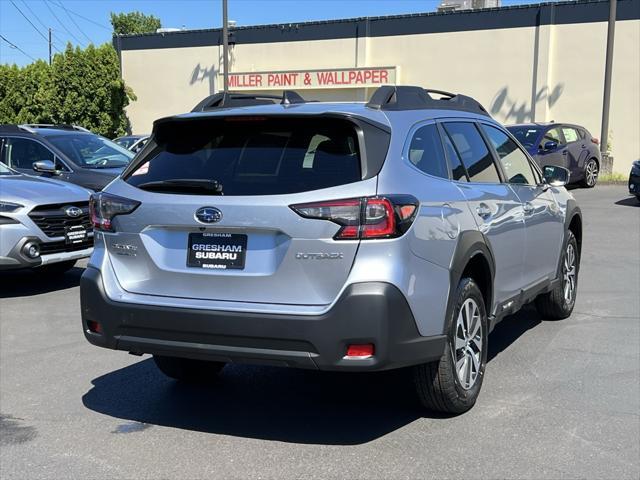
[4, 170]
[526, 135]
[92, 151]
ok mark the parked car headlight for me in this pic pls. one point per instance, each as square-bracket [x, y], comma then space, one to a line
[8, 207]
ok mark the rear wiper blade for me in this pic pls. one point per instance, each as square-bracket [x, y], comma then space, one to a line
[209, 187]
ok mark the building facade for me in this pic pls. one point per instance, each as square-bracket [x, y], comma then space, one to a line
[527, 63]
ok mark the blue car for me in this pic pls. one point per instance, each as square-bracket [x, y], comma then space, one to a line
[564, 145]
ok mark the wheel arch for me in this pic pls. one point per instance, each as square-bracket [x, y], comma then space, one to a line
[472, 258]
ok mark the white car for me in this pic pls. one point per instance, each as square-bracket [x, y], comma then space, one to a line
[44, 223]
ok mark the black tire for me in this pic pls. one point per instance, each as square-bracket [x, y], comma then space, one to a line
[588, 181]
[554, 305]
[188, 370]
[58, 268]
[438, 385]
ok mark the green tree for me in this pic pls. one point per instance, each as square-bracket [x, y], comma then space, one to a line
[88, 91]
[81, 87]
[134, 23]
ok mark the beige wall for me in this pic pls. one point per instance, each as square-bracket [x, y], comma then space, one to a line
[519, 74]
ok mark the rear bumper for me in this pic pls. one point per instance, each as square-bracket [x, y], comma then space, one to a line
[372, 312]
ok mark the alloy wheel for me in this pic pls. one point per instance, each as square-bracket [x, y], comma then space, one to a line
[467, 351]
[591, 173]
[569, 274]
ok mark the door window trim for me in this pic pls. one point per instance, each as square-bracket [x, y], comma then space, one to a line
[537, 174]
[476, 125]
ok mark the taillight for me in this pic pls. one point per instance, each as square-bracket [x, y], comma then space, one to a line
[103, 207]
[596, 141]
[364, 218]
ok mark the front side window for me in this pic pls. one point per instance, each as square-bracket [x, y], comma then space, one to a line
[426, 153]
[22, 153]
[474, 153]
[91, 151]
[514, 161]
[552, 135]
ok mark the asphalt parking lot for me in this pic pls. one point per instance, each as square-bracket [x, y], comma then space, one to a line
[560, 399]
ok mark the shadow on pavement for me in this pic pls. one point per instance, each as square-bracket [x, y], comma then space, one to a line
[272, 403]
[24, 283]
[629, 202]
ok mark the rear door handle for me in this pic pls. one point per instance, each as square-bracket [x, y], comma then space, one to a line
[483, 210]
[528, 208]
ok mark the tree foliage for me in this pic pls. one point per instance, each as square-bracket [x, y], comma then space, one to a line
[82, 87]
[134, 23]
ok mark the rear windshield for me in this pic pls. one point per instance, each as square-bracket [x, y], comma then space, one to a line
[250, 156]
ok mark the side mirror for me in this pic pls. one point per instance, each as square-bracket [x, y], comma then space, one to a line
[555, 176]
[550, 145]
[45, 166]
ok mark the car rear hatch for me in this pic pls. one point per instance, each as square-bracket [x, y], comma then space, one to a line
[211, 212]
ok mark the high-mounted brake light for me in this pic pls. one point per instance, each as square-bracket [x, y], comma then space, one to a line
[364, 218]
[103, 207]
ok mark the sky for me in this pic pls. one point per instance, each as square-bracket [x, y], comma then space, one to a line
[25, 23]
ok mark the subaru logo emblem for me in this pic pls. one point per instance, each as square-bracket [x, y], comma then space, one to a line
[73, 211]
[208, 215]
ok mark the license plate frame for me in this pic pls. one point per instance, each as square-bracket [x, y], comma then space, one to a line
[217, 250]
[75, 234]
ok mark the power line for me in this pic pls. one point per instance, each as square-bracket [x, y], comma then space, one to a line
[61, 24]
[84, 18]
[39, 21]
[31, 23]
[13, 45]
[73, 21]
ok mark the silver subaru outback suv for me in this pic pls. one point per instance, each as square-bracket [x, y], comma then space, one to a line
[332, 236]
[44, 223]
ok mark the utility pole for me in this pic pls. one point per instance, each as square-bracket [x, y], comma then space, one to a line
[49, 46]
[225, 46]
[604, 133]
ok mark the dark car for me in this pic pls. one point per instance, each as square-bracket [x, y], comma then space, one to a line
[564, 145]
[135, 143]
[65, 152]
[634, 179]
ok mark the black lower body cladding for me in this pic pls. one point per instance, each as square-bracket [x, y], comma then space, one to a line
[371, 312]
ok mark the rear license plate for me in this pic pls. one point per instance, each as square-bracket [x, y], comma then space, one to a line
[75, 234]
[218, 251]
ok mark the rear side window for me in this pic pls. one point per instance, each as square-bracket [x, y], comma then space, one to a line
[473, 152]
[514, 161]
[252, 156]
[570, 134]
[426, 153]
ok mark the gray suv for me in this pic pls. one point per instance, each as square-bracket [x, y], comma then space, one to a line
[331, 236]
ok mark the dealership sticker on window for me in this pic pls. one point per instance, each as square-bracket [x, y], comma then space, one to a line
[325, 78]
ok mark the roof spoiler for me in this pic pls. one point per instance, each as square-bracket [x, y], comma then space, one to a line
[391, 97]
[229, 100]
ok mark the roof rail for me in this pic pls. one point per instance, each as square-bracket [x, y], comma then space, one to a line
[30, 126]
[229, 100]
[12, 128]
[391, 97]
